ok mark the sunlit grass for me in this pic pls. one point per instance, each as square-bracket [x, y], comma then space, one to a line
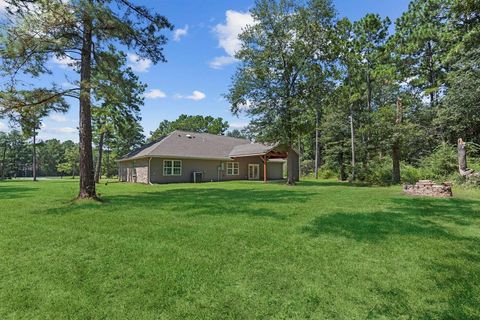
[246, 250]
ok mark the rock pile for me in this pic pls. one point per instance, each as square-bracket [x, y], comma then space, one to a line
[429, 188]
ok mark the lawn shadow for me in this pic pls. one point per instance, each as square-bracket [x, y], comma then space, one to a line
[454, 268]
[407, 216]
[199, 201]
[331, 183]
[10, 191]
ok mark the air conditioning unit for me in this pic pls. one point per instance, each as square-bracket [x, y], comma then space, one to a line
[197, 176]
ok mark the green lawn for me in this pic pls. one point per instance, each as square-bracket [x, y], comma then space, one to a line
[243, 250]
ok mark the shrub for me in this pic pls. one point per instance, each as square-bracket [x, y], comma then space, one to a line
[410, 174]
[442, 163]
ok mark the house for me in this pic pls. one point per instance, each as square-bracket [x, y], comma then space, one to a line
[193, 157]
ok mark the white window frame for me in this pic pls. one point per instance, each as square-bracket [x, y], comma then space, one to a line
[172, 167]
[231, 168]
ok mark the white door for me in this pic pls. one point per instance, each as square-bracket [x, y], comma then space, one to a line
[253, 171]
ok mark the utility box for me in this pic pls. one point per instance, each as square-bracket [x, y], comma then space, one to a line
[197, 176]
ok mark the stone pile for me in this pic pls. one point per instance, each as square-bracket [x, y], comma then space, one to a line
[429, 188]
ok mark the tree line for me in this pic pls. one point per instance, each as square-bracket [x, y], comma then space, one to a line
[53, 157]
[367, 98]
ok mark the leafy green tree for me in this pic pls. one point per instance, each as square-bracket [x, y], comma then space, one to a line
[120, 94]
[50, 154]
[198, 123]
[80, 30]
[420, 39]
[275, 55]
[70, 163]
[459, 114]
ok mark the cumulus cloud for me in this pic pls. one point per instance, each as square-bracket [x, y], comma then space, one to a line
[3, 127]
[227, 35]
[59, 118]
[196, 95]
[179, 33]
[138, 64]
[155, 94]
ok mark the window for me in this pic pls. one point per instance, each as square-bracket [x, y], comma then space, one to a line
[172, 167]
[233, 168]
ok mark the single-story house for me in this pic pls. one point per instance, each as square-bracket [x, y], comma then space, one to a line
[195, 157]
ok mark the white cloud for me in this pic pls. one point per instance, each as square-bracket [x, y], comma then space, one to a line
[64, 130]
[138, 64]
[219, 62]
[155, 94]
[58, 130]
[64, 62]
[196, 95]
[3, 127]
[228, 36]
[59, 118]
[238, 125]
[179, 33]
[245, 106]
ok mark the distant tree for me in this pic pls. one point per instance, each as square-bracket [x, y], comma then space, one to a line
[50, 154]
[200, 124]
[235, 133]
[4, 146]
[71, 158]
[24, 109]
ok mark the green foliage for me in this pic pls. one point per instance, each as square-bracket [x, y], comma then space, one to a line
[201, 124]
[70, 164]
[442, 163]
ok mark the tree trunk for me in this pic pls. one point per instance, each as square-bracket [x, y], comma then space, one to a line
[87, 181]
[431, 72]
[396, 176]
[98, 170]
[343, 174]
[4, 158]
[395, 164]
[352, 137]
[107, 168]
[462, 158]
[317, 151]
[290, 166]
[34, 162]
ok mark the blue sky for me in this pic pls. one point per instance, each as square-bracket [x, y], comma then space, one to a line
[200, 63]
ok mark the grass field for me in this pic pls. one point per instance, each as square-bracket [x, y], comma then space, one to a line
[239, 250]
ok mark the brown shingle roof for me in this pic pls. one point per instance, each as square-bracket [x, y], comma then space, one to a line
[250, 149]
[183, 144]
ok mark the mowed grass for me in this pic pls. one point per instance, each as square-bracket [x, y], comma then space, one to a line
[237, 250]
